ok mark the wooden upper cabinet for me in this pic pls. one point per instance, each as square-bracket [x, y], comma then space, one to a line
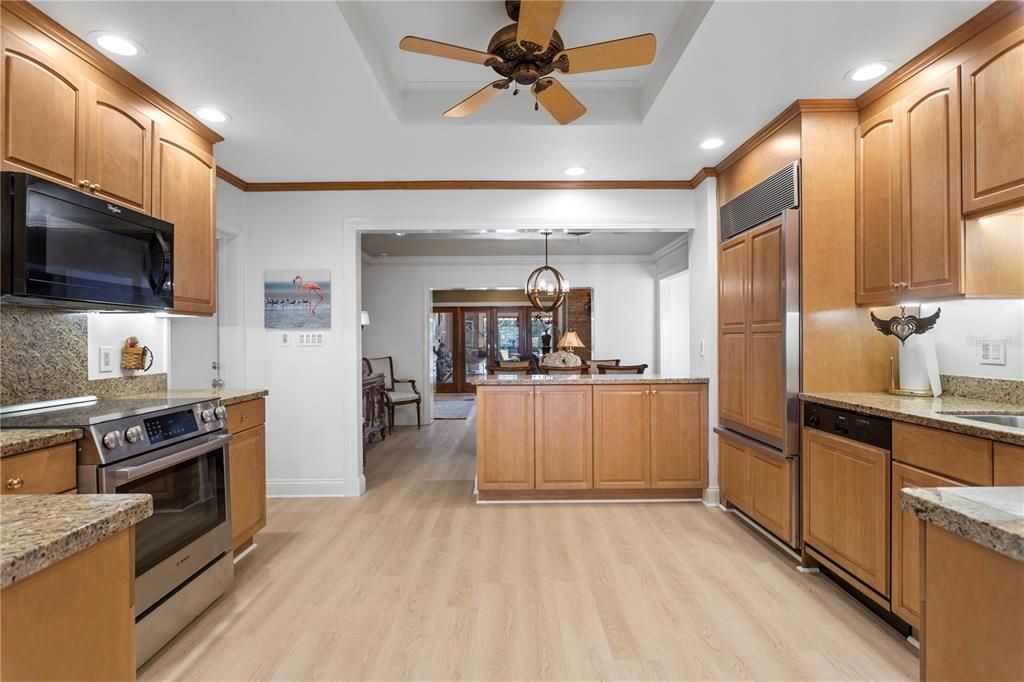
[993, 131]
[622, 436]
[120, 146]
[184, 182]
[44, 114]
[505, 438]
[932, 227]
[564, 418]
[679, 436]
[878, 237]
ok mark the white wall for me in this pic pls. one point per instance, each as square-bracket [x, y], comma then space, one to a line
[963, 324]
[313, 434]
[397, 296]
[674, 325]
[111, 329]
[704, 312]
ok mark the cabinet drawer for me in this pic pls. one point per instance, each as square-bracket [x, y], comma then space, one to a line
[1008, 464]
[52, 470]
[955, 455]
[246, 415]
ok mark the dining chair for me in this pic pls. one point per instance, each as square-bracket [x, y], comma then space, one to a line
[621, 369]
[521, 368]
[394, 397]
[594, 363]
[553, 369]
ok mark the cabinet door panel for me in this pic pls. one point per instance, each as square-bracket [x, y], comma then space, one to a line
[878, 209]
[565, 437]
[621, 437]
[44, 106]
[733, 279]
[679, 436]
[184, 178]
[120, 145]
[846, 505]
[732, 377]
[771, 494]
[933, 231]
[248, 484]
[767, 404]
[734, 472]
[505, 438]
[993, 133]
[766, 276]
[906, 542]
[1008, 464]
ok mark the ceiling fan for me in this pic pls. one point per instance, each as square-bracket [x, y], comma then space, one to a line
[527, 51]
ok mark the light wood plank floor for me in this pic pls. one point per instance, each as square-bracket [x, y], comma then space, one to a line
[414, 580]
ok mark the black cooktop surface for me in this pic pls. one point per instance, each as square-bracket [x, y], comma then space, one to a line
[88, 414]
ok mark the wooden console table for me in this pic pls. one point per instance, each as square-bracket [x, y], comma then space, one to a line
[374, 407]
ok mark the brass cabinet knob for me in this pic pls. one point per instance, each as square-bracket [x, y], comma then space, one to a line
[95, 187]
[654, 391]
[83, 183]
[15, 483]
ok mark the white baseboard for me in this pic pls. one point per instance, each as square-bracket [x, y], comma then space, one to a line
[711, 497]
[315, 487]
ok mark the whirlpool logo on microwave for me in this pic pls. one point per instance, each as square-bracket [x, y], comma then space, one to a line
[113, 209]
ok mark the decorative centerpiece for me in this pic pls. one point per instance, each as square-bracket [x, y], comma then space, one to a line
[561, 358]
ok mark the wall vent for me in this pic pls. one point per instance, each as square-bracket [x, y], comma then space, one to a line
[764, 201]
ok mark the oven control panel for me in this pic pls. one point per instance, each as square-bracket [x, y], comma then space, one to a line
[173, 425]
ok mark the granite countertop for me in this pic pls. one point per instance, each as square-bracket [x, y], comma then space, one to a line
[569, 379]
[940, 413]
[228, 396]
[38, 531]
[991, 517]
[17, 441]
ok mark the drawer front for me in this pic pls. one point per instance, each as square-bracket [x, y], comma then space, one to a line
[1008, 464]
[242, 416]
[953, 455]
[52, 470]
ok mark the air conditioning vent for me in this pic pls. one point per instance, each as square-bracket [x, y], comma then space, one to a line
[764, 201]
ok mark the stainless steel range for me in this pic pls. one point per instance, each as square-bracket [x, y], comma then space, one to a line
[176, 451]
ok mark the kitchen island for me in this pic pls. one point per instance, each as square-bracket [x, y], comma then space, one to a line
[972, 582]
[611, 436]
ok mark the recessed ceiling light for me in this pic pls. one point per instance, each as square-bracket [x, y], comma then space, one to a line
[383, 254]
[573, 171]
[211, 115]
[399, 234]
[712, 143]
[115, 44]
[868, 72]
[483, 231]
[506, 231]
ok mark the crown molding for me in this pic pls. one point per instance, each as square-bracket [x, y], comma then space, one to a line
[232, 179]
[93, 57]
[682, 242]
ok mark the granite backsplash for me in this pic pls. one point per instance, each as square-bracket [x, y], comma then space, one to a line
[44, 355]
[984, 388]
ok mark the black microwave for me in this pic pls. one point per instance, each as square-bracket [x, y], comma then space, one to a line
[66, 248]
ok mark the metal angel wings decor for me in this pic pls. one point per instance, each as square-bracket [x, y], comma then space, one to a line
[904, 326]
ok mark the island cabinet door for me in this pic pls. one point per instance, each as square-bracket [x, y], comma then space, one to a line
[505, 437]
[679, 436]
[565, 440]
[622, 436]
[906, 542]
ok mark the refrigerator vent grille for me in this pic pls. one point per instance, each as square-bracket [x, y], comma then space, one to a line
[764, 201]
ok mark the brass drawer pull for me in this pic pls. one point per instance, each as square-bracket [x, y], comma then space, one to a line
[15, 483]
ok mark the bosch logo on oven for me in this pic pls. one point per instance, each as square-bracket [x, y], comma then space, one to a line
[113, 209]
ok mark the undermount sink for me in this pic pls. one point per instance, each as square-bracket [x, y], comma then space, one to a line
[1014, 420]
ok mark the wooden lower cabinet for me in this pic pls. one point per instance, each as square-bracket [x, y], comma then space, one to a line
[248, 470]
[564, 418]
[759, 483]
[1007, 464]
[74, 620]
[679, 436]
[846, 505]
[906, 542]
[622, 436]
[505, 437]
[40, 472]
[956, 455]
[733, 473]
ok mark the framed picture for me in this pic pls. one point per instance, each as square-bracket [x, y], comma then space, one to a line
[297, 299]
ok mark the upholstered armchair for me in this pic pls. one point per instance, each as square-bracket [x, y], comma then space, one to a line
[397, 391]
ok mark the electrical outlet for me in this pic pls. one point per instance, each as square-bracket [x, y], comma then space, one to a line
[992, 351]
[106, 359]
[311, 339]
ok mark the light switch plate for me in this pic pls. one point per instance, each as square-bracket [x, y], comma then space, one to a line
[992, 351]
[106, 359]
[284, 338]
[310, 339]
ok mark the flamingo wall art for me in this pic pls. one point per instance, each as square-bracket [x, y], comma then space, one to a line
[297, 299]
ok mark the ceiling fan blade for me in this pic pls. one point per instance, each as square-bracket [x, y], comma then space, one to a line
[436, 49]
[537, 19]
[477, 99]
[558, 101]
[614, 54]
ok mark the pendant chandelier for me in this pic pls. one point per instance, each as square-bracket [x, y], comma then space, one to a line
[546, 287]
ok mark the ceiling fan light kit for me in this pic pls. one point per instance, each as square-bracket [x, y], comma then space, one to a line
[528, 51]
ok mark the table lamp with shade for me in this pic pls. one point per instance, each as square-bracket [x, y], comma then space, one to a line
[570, 341]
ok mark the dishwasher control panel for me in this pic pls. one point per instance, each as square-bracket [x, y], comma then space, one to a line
[863, 428]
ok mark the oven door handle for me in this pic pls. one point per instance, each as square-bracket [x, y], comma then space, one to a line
[128, 474]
